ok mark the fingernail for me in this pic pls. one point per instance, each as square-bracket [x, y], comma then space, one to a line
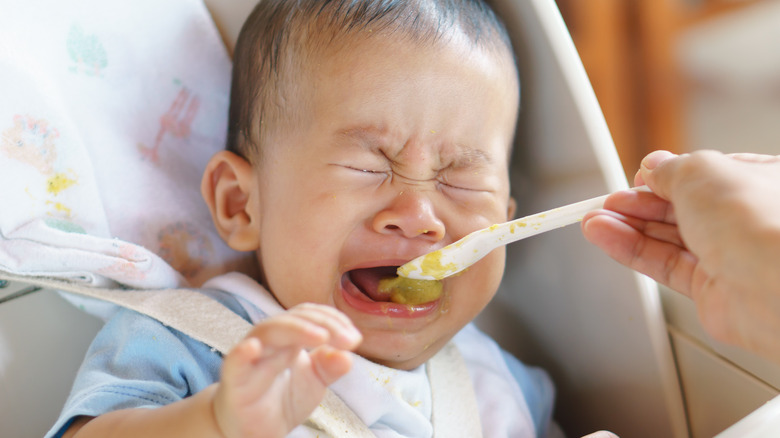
[355, 337]
[653, 159]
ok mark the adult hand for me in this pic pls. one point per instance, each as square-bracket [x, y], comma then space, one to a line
[710, 230]
[601, 434]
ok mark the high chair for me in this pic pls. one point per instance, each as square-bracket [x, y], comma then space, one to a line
[597, 327]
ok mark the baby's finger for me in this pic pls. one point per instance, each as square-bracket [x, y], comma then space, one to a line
[237, 364]
[312, 374]
[343, 334]
[251, 370]
[330, 364]
[327, 311]
[289, 330]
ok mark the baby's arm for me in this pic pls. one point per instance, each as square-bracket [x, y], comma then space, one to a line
[270, 383]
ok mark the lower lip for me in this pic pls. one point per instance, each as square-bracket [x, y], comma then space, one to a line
[358, 300]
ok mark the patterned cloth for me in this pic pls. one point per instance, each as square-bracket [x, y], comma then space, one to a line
[109, 112]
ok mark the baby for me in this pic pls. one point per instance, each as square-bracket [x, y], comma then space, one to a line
[362, 134]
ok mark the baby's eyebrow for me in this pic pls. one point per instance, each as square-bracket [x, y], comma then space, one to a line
[470, 157]
[370, 138]
[373, 139]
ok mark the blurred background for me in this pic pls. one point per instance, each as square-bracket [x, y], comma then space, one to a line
[682, 75]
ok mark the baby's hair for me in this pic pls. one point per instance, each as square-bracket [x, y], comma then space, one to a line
[279, 36]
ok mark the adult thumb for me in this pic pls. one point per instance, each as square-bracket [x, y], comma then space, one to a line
[648, 172]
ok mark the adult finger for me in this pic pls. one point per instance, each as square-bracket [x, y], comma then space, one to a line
[601, 434]
[681, 178]
[650, 162]
[754, 158]
[661, 231]
[643, 205]
[663, 261]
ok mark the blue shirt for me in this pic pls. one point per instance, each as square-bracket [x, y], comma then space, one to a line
[137, 362]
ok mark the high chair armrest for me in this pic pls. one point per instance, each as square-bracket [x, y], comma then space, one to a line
[761, 423]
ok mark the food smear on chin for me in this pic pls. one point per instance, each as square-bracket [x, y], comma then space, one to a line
[409, 291]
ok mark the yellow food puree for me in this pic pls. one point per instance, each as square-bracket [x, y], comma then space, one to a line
[431, 265]
[409, 291]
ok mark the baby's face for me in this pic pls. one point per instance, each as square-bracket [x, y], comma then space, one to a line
[399, 151]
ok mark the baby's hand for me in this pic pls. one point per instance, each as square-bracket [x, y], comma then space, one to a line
[275, 378]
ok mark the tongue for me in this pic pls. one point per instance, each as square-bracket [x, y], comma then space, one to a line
[367, 280]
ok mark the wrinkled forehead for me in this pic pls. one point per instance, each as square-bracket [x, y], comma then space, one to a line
[318, 50]
[350, 81]
[389, 92]
[448, 61]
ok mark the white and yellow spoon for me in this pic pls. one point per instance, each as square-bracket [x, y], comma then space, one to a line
[459, 255]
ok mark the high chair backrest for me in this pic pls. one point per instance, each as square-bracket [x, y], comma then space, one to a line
[596, 327]
[108, 115]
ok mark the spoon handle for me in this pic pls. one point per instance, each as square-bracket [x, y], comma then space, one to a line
[459, 255]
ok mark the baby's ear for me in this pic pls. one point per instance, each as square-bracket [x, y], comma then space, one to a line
[229, 188]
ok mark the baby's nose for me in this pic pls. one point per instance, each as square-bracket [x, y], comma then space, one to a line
[412, 215]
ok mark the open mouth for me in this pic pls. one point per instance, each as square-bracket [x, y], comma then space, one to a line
[365, 290]
[367, 281]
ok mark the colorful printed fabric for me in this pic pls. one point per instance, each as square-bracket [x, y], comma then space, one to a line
[109, 112]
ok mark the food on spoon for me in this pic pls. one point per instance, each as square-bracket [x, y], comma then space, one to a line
[409, 291]
[431, 265]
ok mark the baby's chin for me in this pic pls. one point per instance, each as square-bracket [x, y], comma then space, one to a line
[402, 354]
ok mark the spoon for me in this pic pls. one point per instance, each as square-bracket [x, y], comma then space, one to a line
[457, 256]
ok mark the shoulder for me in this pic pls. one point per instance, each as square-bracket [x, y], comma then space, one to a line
[143, 356]
[130, 337]
[136, 361]
[129, 327]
